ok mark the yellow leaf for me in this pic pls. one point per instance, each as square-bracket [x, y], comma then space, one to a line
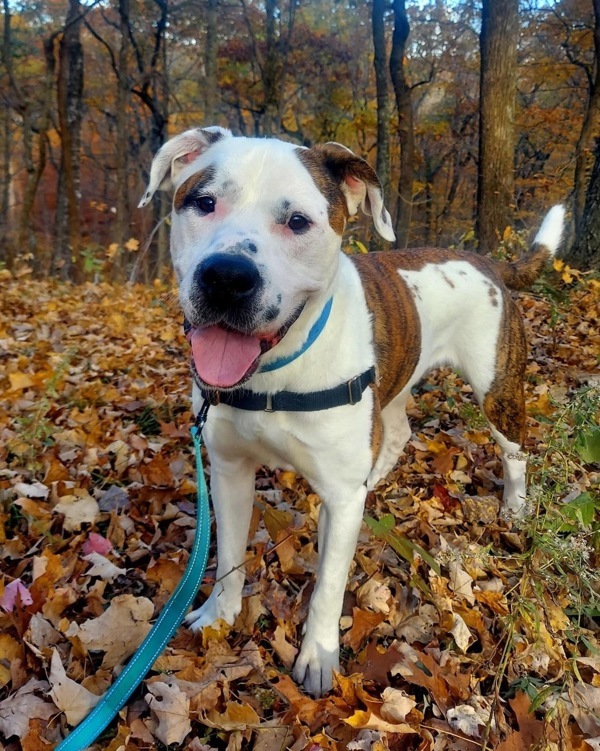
[567, 276]
[507, 233]
[360, 246]
[287, 479]
[112, 251]
[361, 719]
[557, 264]
[276, 521]
[132, 244]
[19, 381]
[236, 717]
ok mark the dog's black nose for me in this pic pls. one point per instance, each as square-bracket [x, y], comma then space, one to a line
[225, 279]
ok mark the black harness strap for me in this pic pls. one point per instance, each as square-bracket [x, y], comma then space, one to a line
[350, 392]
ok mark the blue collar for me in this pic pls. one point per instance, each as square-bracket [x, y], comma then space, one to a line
[313, 335]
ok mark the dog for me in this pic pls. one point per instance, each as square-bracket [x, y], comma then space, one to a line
[309, 355]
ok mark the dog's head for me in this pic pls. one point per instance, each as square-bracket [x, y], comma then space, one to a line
[256, 233]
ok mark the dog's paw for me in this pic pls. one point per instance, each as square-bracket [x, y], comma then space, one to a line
[314, 667]
[514, 509]
[216, 608]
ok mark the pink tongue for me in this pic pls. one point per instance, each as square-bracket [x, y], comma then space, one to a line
[222, 358]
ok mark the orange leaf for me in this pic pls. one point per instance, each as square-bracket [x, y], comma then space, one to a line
[363, 625]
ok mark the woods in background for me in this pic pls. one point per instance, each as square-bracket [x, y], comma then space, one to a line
[476, 114]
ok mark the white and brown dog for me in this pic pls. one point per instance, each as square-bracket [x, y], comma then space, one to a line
[311, 354]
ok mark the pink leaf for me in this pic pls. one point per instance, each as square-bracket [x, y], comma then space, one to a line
[96, 544]
[9, 597]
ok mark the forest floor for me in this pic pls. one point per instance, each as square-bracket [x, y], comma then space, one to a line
[460, 631]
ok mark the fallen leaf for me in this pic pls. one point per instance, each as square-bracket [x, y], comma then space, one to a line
[464, 719]
[32, 490]
[172, 707]
[362, 719]
[236, 716]
[13, 592]
[286, 651]
[374, 595]
[118, 631]
[77, 510]
[396, 705]
[68, 695]
[363, 625]
[17, 709]
[103, 568]
[460, 632]
[20, 381]
[95, 543]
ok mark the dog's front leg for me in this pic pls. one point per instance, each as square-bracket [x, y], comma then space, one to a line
[339, 524]
[232, 490]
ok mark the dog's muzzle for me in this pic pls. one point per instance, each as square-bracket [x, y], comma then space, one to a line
[225, 322]
[224, 281]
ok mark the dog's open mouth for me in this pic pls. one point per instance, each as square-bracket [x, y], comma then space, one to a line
[224, 358]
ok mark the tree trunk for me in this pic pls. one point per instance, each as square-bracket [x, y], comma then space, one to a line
[5, 244]
[495, 190]
[122, 145]
[35, 120]
[210, 83]
[590, 128]
[406, 133]
[382, 165]
[585, 254]
[70, 115]
[271, 122]
[273, 64]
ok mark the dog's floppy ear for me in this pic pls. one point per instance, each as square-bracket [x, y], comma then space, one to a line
[359, 184]
[176, 153]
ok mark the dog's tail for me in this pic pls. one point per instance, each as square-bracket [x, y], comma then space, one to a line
[522, 273]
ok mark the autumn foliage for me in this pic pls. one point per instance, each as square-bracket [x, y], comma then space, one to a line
[91, 91]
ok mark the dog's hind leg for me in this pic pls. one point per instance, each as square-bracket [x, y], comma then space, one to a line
[503, 402]
[232, 491]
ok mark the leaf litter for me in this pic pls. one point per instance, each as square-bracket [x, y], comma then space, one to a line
[459, 631]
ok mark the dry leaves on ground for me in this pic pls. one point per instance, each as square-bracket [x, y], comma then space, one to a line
[459, 631]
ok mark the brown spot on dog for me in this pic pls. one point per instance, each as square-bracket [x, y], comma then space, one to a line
[376, 427]
[493, 293]
[516, 275]
[337, 209]
[522, 273]
[192, 187]
[396, 327]
[330, 165]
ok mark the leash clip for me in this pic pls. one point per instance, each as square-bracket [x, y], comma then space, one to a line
[200, 421]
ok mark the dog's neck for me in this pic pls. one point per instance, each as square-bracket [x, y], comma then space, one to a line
[312, 337]
[339, 352]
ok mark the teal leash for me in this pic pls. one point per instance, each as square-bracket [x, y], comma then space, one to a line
[167, 623]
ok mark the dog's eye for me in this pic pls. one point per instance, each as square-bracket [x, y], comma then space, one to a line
[298, 223]
[206, 204]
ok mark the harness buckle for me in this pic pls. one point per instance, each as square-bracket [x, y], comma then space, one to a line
[269, 407]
